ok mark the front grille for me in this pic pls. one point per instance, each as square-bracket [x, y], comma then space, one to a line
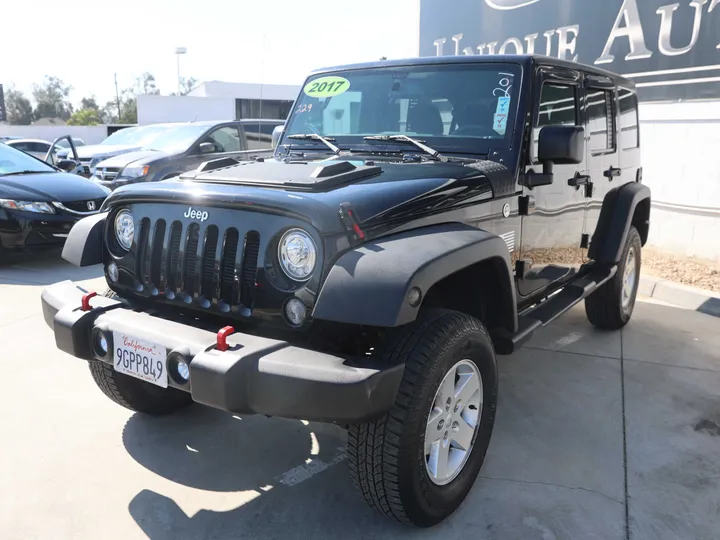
[197, 264]
[82, 206]
[107, 173]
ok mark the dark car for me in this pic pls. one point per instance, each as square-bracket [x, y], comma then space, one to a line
[39, 204]
[185, 147]
[418, 218]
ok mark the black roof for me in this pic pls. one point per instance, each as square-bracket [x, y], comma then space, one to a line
[526, 60]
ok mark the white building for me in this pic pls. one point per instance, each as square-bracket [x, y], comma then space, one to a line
[217, 100]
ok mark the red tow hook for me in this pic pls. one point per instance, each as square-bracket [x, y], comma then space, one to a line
[85, 302]
[222, 336]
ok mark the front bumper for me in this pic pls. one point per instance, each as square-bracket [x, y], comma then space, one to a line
[255, 375]
[30, 229]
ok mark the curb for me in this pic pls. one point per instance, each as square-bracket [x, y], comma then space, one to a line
[701, 300]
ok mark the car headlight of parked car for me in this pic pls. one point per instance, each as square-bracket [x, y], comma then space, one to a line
[134, 172]
[28, 206]
[297, 254]
[124, 229]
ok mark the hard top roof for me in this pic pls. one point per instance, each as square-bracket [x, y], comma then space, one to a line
[525, 60]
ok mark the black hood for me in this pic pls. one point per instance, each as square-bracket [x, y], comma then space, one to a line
[381, 193]
[49, 187]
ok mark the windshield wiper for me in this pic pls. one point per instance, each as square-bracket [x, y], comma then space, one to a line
[15, 173]
[404, 138]
[316, 137]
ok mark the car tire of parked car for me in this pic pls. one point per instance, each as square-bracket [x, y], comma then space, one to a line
[611, 306]
[394, 460]
[134, 394]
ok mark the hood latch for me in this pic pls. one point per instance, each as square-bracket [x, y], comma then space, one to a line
[351, 223]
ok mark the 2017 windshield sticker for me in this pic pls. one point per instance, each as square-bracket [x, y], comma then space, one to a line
[502, 111]
[326, 87]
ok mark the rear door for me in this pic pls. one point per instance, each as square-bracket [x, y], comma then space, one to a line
[552, 232]
[601, 143]
[226, 140]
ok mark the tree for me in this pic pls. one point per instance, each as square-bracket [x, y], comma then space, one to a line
[146, 84]
[89, 103]
[18, 108]
[51, 99]
[128, 113]
[85, 117]
[186, 86]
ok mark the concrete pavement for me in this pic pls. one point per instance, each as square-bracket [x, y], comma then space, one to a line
[598, 436]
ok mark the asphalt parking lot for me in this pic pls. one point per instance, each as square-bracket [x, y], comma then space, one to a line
[598, 436]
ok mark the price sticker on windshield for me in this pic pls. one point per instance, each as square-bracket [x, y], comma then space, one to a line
[501, 115]
[326, 87]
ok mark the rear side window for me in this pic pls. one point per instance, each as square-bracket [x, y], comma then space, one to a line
[600, 118]
[629, 132]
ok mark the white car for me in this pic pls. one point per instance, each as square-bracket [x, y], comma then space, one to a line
[34, 147]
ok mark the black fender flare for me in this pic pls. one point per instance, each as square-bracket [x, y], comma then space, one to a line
[84, 244]
[616, 217]
[369, 285]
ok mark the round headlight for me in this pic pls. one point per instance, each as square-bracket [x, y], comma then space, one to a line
[124, 229]
[297, 254]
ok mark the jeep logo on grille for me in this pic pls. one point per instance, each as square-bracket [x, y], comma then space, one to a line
[202, 215]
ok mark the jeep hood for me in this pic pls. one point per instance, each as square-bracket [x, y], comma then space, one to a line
[382, 194]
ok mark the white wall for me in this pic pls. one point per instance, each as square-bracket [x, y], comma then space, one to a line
[89, 134]
[681, 165]
[155, 109]
[247, 90]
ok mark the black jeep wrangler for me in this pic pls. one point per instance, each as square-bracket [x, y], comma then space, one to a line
[417, 218]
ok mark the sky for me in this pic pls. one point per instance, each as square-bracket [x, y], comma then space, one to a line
[85, 43]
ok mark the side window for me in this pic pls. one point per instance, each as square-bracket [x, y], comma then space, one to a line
[558, 107]
[225, 139]
[39, 147]
[256, 138]
[25, 147]
[629, 133]
[600, 118]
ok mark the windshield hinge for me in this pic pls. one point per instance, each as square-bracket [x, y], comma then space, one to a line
[351, 224]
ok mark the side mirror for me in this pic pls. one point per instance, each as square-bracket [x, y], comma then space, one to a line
[276, 135]
[67, 165]
[206, 148]
[561, 145]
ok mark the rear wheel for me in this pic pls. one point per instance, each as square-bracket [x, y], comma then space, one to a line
[612, 305]
[417, 463]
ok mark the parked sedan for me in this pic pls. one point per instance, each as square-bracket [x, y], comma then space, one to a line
[185, 147]
[34, 147]
[39, 203]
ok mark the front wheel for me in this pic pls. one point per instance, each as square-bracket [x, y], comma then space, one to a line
[611, 306]
[417, 463]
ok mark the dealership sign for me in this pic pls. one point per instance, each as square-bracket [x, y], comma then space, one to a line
[672, 50]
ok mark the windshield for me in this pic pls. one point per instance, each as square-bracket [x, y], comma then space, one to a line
[456, 108]
[135, 136]
[13, 161]
[177, 139]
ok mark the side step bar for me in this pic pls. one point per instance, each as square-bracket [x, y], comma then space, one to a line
[550, 309]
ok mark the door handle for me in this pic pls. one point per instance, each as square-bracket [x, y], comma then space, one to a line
[612, 172]
[579, 180]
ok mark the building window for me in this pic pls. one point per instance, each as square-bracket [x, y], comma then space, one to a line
[600, 119]
[629, 132]
[272, 109]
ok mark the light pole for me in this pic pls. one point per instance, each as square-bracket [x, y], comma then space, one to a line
[178, 52]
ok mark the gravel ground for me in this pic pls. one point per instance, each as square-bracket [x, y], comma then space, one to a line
[687, 270]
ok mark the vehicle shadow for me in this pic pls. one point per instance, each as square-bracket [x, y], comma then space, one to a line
[295, 477]
[42, 267]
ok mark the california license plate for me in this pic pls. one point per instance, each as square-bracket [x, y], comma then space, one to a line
[140, 359]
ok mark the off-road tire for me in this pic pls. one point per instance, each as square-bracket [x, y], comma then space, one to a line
[604, 307]
[387, 456]
[134, 394]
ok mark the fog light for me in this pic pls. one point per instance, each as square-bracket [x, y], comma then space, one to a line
[102, 344]
[295, 312]
[113, 272]
[183, 370]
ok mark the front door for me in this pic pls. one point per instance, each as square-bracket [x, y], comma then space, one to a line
[552, 230]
